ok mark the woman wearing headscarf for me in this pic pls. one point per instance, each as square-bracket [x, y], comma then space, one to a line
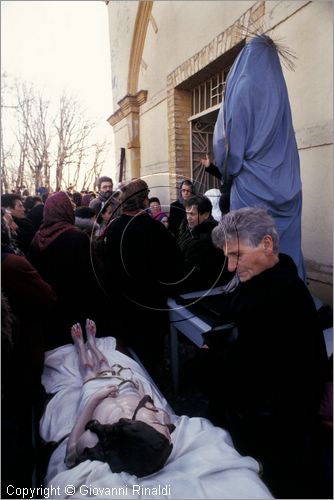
[61, 253]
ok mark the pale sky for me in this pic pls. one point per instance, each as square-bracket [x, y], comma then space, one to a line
[61, 45]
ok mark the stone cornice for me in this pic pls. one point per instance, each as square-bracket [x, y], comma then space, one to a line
[130, 103]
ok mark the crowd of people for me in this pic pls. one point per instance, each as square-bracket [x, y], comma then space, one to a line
[117, 257]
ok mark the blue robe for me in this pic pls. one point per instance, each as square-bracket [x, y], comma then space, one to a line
[263, 156]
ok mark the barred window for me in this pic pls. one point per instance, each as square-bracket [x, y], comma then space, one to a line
[209, 93]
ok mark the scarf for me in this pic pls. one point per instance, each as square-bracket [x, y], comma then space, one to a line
[58, 217]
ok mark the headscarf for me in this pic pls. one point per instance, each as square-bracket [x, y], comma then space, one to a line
[58, 217]
[262, 156]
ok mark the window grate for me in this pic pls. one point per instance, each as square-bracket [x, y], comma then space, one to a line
[209, 93]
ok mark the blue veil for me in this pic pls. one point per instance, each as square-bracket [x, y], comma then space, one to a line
[263, 157]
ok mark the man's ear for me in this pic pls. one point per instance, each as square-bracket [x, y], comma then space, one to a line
[268, 244]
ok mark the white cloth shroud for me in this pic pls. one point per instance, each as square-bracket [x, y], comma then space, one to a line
[203, 462]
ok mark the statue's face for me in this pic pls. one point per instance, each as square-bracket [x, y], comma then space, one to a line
[157, 418]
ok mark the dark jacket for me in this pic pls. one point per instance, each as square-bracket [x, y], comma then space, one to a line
[142, 258]
[277, 363]
[143, 263]
[25, 233]
[177, 214]
[205, 265]
[267, 384]
[35, 216]
[66, 265]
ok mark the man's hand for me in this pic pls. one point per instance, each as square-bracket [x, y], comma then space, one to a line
[205, 162]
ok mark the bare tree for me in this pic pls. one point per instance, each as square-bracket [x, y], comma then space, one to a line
[4, 167]
[33, 136]
[6, 149]
[72, 131]
[48, 144]
[95, 171]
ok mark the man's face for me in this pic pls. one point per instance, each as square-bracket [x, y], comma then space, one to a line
[186, 192]
[248, 261]
[194, 218]
[106, 188]
[18, 210]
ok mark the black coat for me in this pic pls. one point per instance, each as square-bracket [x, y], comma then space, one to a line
[25, 233]
[143, 258]
[66, 265]
[177, 214]
[267, 384]
[205, 265]
[143, 262]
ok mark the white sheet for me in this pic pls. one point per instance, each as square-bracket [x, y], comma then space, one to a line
[203, 463]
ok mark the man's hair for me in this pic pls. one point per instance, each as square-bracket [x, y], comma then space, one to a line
[247, 225]
[45, 196]
[128, 446]
[134, 194]
[154, 199]
[8, 200]
[103, 179]
[200, 201]
[84, 212]
[77, 198]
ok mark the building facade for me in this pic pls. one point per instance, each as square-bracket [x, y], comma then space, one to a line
[169, 62]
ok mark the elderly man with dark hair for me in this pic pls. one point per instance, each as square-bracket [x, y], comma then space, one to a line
[205, 265]
[270, 376]
[145, 262]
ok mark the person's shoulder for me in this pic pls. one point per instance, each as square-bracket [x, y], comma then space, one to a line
[96, 205]
[203, 230]
[208, 225]
[23, 223]
[73, 234]
[16, 262]
[284, 282]
[286, 269]
[176, 204]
